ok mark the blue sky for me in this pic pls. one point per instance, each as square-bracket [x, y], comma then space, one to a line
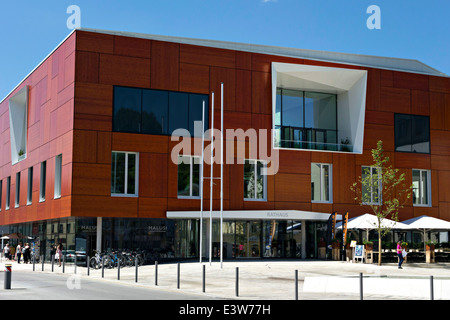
[414, 29]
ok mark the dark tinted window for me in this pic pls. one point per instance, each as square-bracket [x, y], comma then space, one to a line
[155, 112]
[196, 111]
[178, 111]
[412, 133]
[127, 109]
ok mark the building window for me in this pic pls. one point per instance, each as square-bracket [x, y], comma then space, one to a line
[254, 180]
[1, 193]
[306, 120]
[421, 187]
[30, 186]
[43, 181]
[17, 201]
[8, 192]
[321, 182]
[412, 133]
[58, 169]
[124, 173]
[371, 185]
[157, 111]
[189, 176]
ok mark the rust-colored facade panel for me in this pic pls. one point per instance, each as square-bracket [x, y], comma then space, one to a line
[165, 60]
[124, 71]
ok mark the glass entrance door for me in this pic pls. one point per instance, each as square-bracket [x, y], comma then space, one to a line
[248, 239]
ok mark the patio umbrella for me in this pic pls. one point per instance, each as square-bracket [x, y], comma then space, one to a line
[369, 221]
[15, 236]
[426, 223]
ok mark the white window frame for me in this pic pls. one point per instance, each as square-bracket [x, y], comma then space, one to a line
[380, 186]
[330, 183]
[264, 163]
[192, 160]
[428, 173]
[136, 181]
[58, 174]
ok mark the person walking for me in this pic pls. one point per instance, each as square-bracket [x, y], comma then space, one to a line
[59, 253]
[18, 252]
[399, 254]
[26, 253]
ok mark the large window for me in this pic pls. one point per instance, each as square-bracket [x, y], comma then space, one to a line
[157, 111]
[421, 187]
[371, 186]
[58, 168]
[412, 133]
[306, 120]
[17, 201]
[321, 182]
[42, 181]
[189, 176]
[124, 173]
[254, 181]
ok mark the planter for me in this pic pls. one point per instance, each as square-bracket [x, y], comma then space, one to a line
[429, 253]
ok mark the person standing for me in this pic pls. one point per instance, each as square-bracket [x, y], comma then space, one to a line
[399, 254]
[59, 252]
[26, 253]
[7, 251]
[19, 252]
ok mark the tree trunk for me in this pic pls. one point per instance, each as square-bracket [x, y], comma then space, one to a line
[379, 249]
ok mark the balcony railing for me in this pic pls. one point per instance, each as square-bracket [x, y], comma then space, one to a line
[310, 139]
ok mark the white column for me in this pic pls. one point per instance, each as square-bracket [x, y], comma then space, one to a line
[303, 239]
[99, 234]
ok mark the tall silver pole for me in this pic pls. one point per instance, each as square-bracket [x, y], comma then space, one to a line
[221, 175]
[201, 181]
[211, 181]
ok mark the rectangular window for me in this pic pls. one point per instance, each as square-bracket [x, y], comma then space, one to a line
[254, 180]
[160, 112]
[17, 201]
[58, 168]
[124, 173]
[30, 186]
[1, 193]
[321, 182]
[421, 187]
[189, 176]
[412, 133]
[43, 181]
[371, 185]
[306, 120]
[8, 192]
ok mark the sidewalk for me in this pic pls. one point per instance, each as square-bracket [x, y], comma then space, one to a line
[275, 280]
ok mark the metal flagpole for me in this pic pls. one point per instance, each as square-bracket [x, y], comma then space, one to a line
[201, 181]
[211, 182]
[221, 175]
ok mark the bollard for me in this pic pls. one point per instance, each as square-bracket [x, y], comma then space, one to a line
[296, 284]
[237, 281]
[361, 286]
[43, 258]
[53, 262]
[88, 266]
[156, 273]
[103, 267]
[431, 288]
[34, 262]
[64, 264]
[8, 270]
[118, 270]
[178, 276]
[75, 270]
[136, 275]
[204, 279]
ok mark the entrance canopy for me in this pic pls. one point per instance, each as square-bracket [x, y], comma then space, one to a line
[253, 215]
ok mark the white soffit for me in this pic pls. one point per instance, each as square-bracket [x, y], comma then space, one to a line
[316, 78]
[253, 215]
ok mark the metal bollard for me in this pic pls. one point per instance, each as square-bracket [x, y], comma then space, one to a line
[34, 262]
[431, 288]
[136, 274]
[296, 284]
[178, 276]
[156, 273]
[43, 258]
[64, 264]
[204, 278]
[361, 286]
[118, 270]
[8, 271]
[75, 270]
[103, 267]
[88, 266]
[53, 262]
[237, 281]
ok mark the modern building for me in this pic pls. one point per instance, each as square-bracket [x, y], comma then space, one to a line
[90, 144]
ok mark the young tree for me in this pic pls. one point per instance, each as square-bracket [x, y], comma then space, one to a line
[382, 188]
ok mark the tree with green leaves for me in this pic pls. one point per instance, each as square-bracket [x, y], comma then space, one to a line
[382, 188]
